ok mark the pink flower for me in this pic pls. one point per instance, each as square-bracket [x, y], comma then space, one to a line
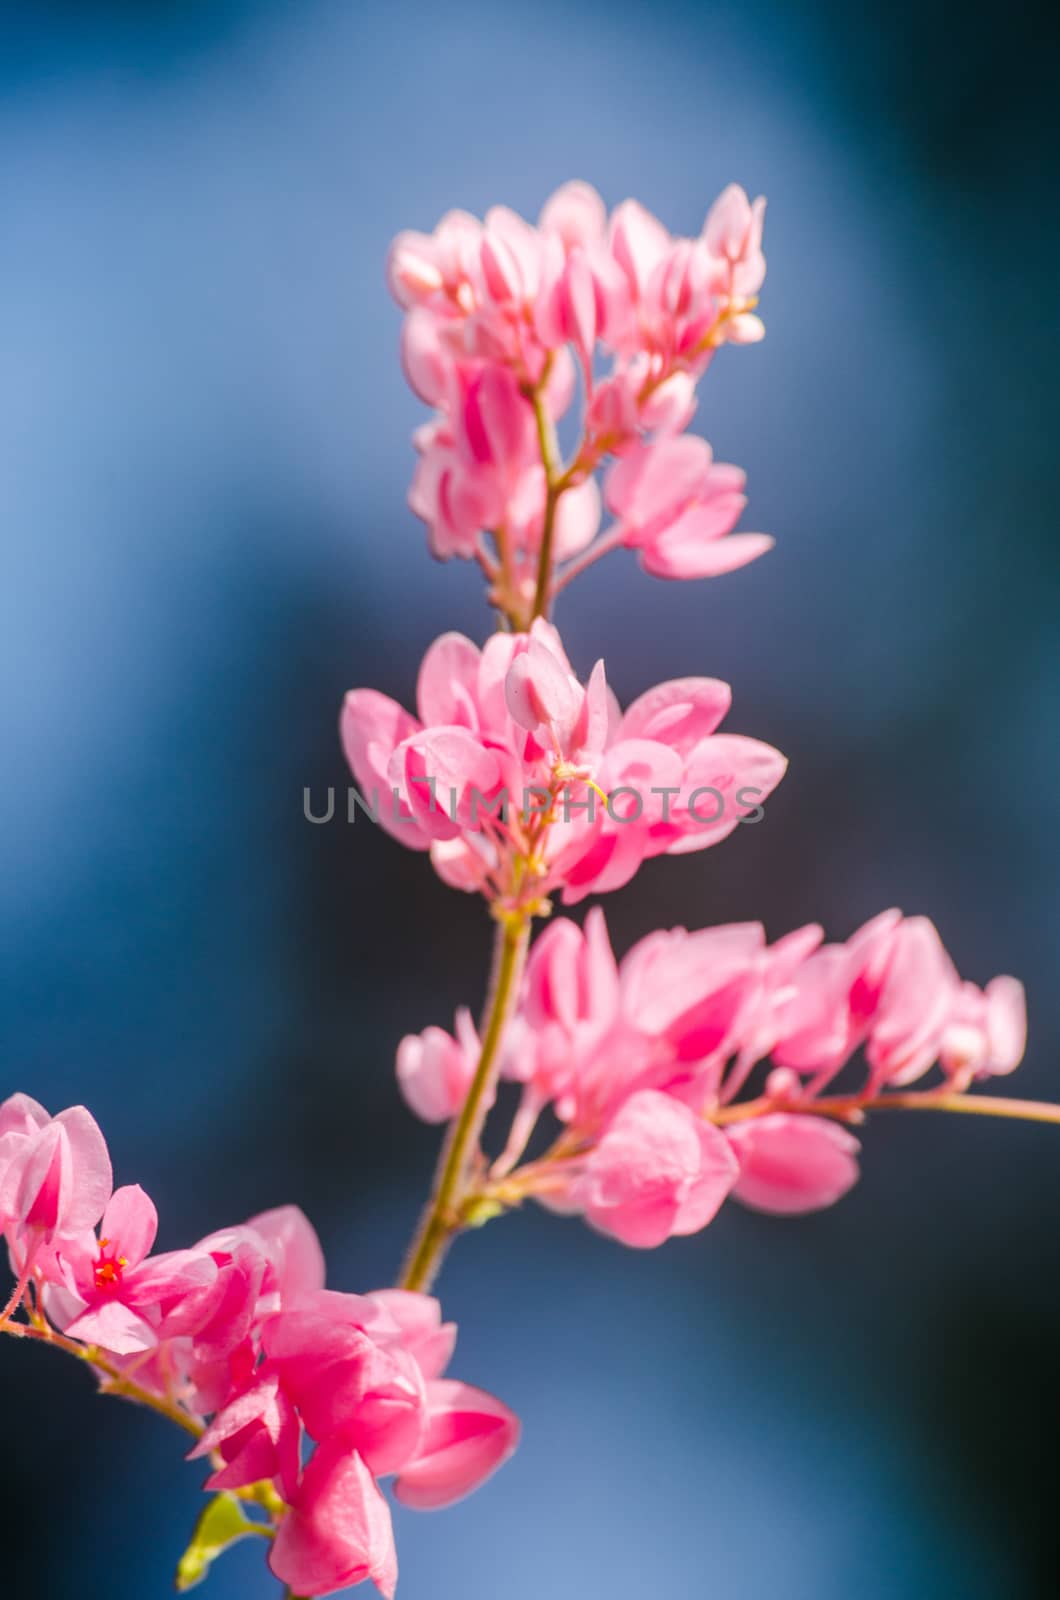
[338, 1530]
[436, 268]
[657, 1171]
[494, 310]
[112, 1291]
[986, 1033]
[219, 1318]
[258, 1436]
[915, 1002]
[294, 1259]
[416, 1324]
[58, 1174]
[733, 234]
[521, 781]
[21, 1119]
[576, 215]
[434, 1069]
[347, 1378]
[792, 1164]
[469, 1435]
[834, 998]
[676, 507]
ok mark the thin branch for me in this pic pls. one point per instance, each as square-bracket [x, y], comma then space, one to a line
[441, 1219]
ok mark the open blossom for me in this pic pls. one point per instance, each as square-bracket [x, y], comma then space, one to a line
[111, 1291]
[522, 781]
[678, 507]
[240, 1332]
[495, 309]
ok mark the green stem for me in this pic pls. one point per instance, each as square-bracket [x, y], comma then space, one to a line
[847, 1106]
[441, 1218]
[555, 485]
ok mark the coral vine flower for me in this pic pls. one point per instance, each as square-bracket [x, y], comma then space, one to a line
[644, 1061]
[258, 1436]
[520, 781]
[435, 1069]
[58, 1176]
[112, 1290]
[469, 1434]
[676, 505]
[494, 310]
[700, 1066]
[338, 1530]
[239, 1338]
[656, 1171]
[790, 1165]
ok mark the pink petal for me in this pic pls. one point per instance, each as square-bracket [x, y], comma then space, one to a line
[297, 1257]
[448, 676]
[130, 1223]
[339, 1531]
[684, 552]
[576, 213]
[793, 1164]
[658, 1170]
[21, 1114]
[115, 1327]
[711, 1186]
[678, 713]
[90, 1167]
[727, 229]
[424, 359]
[372, 728]
[434, 1073]
[539, 688]
[638, 242]
[469, 1435]
[915, 1003]
[577, 520]
[744, 772]
[1006, 1024]
[165, 1280]
[651, 484]
[412, 268]
[423, 1333]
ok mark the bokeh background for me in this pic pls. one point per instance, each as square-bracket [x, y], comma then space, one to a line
[202, 472]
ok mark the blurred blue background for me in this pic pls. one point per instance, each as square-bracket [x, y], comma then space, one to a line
[204, 461]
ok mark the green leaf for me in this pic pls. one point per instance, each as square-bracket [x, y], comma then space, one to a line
[221, 1523]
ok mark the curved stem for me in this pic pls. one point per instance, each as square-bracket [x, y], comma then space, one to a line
[117, 1383]
[441, 1219]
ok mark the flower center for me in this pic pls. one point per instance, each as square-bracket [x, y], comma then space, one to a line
[108, 1269]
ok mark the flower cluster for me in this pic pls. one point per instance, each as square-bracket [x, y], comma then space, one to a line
[501, 315]
[239, 1340]
[642, 1063]
[522, 782]
[703, 1065]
